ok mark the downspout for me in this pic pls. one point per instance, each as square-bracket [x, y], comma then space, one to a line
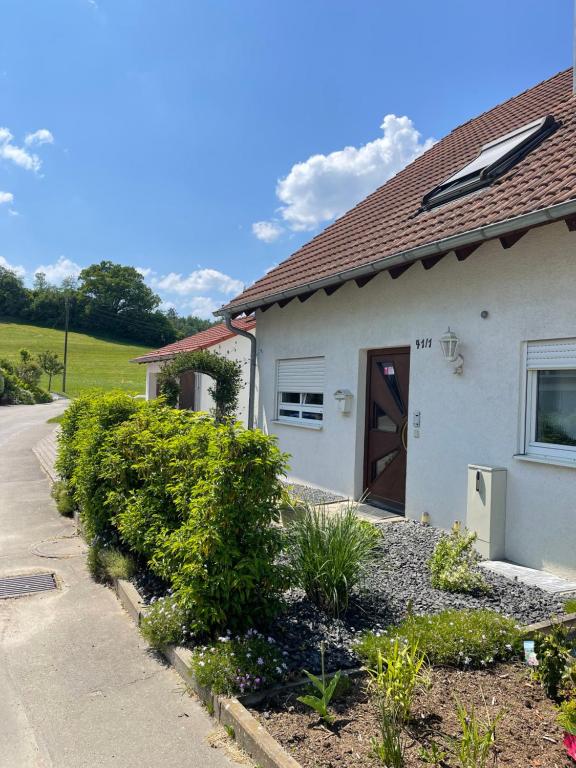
[252, 377]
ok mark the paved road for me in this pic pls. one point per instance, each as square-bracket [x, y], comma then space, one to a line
[78, 689]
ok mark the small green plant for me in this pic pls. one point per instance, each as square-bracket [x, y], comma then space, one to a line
[50, 364]
[398, 676]
[554, 660]
[468, 639]
[63, 499]
[570, 606]
[477, 738]
[165, 623]
[94, 562]
[239, 665]
[230, 731]
[209, 705]
[433, 755]
[116, 564]
[328, 554]
[567, 716]
[453, 564]
[389, 748]
[326, 690]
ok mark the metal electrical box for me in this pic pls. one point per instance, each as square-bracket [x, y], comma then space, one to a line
[486, 509]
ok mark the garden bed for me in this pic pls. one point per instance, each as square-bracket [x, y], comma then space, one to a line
[527, 736]
[398, 580]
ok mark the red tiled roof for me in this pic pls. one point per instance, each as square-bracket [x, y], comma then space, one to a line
[386, 223]
[202, 340]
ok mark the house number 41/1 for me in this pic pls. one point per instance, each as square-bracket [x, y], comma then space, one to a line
[423, 343]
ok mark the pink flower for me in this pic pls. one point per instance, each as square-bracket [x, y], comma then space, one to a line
[570, 744]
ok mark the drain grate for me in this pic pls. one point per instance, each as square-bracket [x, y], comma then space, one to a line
[16, 586]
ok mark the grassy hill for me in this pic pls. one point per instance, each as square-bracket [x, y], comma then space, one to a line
[92, 362]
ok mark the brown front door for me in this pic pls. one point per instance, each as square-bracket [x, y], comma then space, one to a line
[186, 399]
[387, 427]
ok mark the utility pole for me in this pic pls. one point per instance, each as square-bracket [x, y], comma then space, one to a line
[66, 322]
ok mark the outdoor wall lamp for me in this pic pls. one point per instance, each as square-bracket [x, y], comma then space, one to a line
[343, 399]
[449, 344]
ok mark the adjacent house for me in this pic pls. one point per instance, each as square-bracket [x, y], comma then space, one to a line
[422, 349]
[194, 387]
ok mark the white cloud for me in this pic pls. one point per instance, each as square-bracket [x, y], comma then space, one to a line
[6, 197]
[20, 271]
[325, 186]
[199, 281]
[20, 156]
[201, 306]
[267, 231]
[41, 136]
[145, 271]
[12, 212]
[63, 268]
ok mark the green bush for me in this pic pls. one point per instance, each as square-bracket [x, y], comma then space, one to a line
[328, 554]
[18, 391]
[567, 716]
[453, 564]
[243, 664]
[554, 653]
[106, 563]
[469, 639]
[195, 499]
[165, 623]
[64, 501]
[86, 430]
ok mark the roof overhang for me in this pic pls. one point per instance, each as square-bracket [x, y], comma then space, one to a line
[435, 248]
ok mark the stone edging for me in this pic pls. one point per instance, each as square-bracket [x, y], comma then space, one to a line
[248, 731]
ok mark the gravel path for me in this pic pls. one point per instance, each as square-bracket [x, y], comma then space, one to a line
[313, 495]
[399, 575]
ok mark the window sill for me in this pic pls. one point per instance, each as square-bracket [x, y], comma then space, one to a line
[553, 460]
[298, 424]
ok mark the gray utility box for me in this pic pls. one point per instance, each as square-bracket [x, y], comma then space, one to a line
[486, 509]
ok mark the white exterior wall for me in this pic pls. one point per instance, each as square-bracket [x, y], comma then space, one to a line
[530, 294]
[235, 348]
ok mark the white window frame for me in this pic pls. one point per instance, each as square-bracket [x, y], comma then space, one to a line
[303, 385]
[557, 355]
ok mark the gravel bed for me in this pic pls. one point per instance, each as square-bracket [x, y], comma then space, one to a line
[399, 577]
[313, 495]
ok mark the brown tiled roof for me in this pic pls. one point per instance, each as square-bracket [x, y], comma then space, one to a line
[208, 338]
[387, 223]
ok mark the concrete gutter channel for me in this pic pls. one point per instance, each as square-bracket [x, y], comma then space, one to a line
[249, 733]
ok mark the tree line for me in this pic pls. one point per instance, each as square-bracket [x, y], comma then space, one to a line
[107, 299]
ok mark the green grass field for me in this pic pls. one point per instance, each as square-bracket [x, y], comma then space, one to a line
[92, 362]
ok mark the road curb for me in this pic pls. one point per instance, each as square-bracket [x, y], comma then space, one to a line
[249, 733]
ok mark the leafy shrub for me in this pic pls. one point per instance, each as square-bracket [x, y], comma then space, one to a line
[470, 639]
[567, 716]
[328, 554]
[91, 426]
[570, 606]
[165, 623]
[241, 664]
[554, 660]
[72, 418]
[64, 501]
[452, 565]
[397, 677]
[17, 391]
[197, 500]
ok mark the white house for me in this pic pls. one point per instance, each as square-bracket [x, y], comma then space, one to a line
[422, 349]
[194, 387]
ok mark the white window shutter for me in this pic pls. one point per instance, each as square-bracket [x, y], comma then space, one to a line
[551, 355]
[305, 374]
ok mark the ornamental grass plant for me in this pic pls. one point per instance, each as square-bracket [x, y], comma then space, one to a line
[328, 553]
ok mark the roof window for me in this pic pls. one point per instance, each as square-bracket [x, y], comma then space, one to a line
[495, 158]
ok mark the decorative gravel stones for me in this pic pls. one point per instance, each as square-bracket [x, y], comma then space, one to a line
[312, 495]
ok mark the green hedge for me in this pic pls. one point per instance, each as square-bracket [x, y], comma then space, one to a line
[192, 498]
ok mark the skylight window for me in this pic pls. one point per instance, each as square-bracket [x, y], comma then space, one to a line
[495, 158]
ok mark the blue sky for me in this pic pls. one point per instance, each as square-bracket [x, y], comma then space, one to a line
[203, 141]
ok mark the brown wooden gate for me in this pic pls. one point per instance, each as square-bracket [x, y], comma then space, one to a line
[387, 427]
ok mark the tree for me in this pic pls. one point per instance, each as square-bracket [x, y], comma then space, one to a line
[50, 364]
[14, 297]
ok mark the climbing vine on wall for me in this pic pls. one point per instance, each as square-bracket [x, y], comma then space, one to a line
[227, 376]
